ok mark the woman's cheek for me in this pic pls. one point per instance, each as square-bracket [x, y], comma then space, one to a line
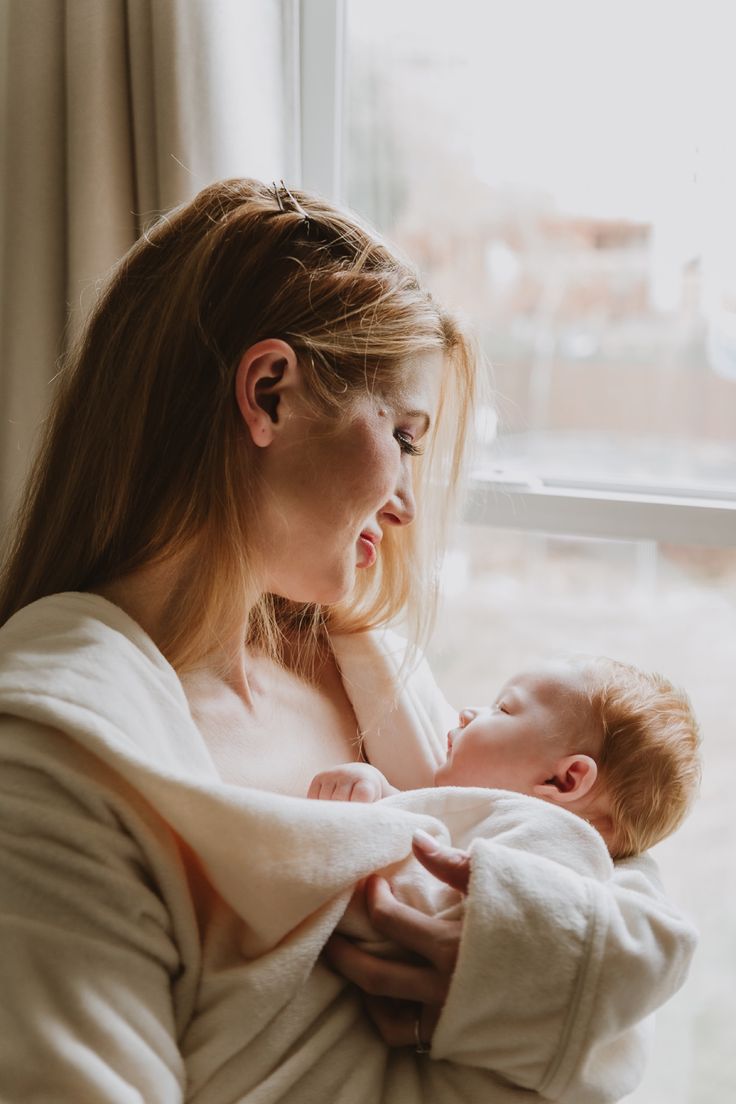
[382, 466]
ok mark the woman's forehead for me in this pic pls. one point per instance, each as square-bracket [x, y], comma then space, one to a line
[416, 391]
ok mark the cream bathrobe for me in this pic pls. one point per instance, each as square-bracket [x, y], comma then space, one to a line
[161, 929]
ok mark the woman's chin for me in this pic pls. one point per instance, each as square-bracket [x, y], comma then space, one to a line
[336, 590]
[323, 591]
[332, 596]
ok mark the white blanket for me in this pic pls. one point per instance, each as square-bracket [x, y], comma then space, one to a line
[161, 929]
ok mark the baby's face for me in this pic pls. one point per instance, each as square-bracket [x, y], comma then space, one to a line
[516, 743]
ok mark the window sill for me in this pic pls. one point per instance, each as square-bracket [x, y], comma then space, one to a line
[575, 511]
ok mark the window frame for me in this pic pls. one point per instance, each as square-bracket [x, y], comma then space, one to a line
[321, 32]
[570, 510]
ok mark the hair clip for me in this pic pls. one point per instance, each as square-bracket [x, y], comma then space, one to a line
[277, 196]
[296, 206]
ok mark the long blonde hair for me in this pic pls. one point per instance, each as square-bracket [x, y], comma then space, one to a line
[144, 454]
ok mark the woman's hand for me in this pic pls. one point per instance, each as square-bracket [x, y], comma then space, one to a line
[405, 999]
[449, 864]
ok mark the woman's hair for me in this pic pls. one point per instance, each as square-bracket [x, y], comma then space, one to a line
[649, 762]
[145, 455]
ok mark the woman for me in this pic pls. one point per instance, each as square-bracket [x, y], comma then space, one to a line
[246, 470]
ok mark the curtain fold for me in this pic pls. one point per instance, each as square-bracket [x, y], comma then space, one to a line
[112, 111]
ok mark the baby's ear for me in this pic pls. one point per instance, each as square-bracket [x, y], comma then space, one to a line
[573, 778]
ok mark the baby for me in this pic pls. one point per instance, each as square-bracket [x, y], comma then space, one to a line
[615, 745]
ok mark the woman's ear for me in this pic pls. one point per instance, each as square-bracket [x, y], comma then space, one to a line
[266, 376]
[573, 778]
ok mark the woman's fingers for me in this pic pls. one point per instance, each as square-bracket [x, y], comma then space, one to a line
[383, 977]
[435, 940]
[394, 1020]
[449, 864]
[400, 1023]
[395, 992]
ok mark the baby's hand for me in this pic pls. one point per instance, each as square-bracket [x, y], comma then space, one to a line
[352, 782]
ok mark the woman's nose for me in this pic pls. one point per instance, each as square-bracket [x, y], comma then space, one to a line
[401, 508]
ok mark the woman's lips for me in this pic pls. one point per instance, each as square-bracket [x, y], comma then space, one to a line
[368, 544]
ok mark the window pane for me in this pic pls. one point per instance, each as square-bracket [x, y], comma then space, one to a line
[563, 173]
[512, 599]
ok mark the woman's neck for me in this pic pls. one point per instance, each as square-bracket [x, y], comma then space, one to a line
[145, 595]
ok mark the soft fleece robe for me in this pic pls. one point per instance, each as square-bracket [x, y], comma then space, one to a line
[161, 929]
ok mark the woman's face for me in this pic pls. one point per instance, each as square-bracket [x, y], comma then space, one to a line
[332, 490]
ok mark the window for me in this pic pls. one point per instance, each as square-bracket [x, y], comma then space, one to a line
[557, 179]
[562, 172]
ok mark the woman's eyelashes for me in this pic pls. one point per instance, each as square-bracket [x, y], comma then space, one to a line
[406, 444]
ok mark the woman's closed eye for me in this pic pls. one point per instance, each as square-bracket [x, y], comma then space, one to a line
[406, 443]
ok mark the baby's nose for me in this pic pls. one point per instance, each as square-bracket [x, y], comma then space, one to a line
[466, 715]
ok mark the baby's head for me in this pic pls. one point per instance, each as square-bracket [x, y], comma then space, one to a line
[616, 745]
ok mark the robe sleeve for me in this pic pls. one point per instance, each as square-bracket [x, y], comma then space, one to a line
[88, 959]
[558, 973]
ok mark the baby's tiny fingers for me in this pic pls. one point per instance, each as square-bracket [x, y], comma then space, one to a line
[342, 789]
[364, 790]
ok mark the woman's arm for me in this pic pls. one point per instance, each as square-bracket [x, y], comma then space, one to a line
[565, 978]
[548, 981]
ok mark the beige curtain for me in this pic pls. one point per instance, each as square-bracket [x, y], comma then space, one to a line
[112, 111]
